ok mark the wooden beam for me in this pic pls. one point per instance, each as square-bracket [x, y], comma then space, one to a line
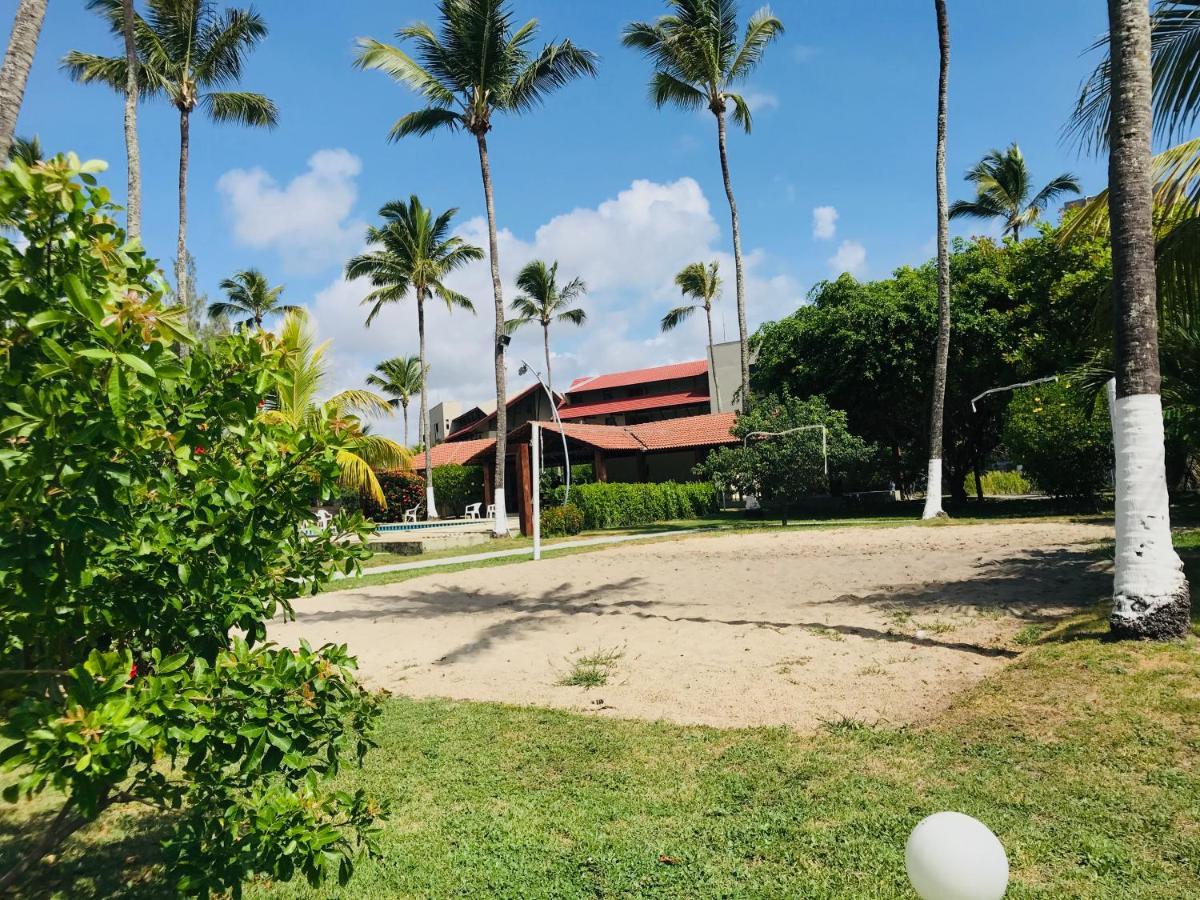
[599, 465]
[489, 485]
[524, 488]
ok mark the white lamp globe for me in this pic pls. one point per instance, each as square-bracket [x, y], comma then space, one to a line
[951, 856]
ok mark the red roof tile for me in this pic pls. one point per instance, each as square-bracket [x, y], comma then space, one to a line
[712, 430]
[631, 404]
[639, 376]
[458, 453]
[490, 417]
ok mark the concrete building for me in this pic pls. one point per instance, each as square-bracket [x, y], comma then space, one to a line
[441, 419]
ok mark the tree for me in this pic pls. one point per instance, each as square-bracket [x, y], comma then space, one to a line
[248, 293]
[18, 60]
[697, 59]
[400, 377]
[702, 284]
[133, 156]
[478, 66]
[1002, 191]
[933, 481]
[416, 253]
[543, 301]
[188, 52]
[298, 405]
[1150, 593]
[28, 150]
[153, 527]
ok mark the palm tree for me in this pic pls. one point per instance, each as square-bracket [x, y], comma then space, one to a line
[188, 51]
[478, 65]
[251, 295]
[27, 150]
[133, 156]
[18, 60]
[400, 377]
[1002, 191]
[1150, 593]
[416, 252]
[702, 284]
[697, 59]
[543, 301]
[299, 404]
[933, 486]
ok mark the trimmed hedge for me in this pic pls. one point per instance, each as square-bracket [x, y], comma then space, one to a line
[559, 520]
[617, 505]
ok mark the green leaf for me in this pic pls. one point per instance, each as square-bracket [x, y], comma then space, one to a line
[116, 392]
[137, 364]
[47, 318]
[79, 298]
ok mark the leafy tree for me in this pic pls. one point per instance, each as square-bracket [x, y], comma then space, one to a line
[1002, 191]
[400, 377]
[297, 404]
[1061, 437]
[249, 294]
[416, 253]
[477, 66]
[783, 469]
[152, 527]
[697, 59]
[702, 284]
[189, 52]
[543, 302]
[18, 60]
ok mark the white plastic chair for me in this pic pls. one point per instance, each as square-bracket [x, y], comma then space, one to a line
[491, 511]
[323, 518]
[410, 515]
[472, 510]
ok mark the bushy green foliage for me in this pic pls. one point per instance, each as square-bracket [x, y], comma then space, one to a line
[1062, 438]
[402, 488]
[456, 486]
[150, 513]
[1000, 484]
[780, 471]
[619, 505]
[566, 519]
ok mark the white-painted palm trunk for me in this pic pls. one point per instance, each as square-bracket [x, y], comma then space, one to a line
[500, 522]
[933, 491]
[1150, 592]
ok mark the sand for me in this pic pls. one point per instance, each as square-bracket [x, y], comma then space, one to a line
[785, 628]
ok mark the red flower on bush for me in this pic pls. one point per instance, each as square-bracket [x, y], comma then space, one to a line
[200, 451]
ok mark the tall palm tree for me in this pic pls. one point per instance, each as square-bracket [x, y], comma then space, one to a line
[543, 301]
[133, 156]
[18, 60]
[400, 378]
[697, 59]
[933, 487]
[249, 294]
[299, 403]
[702, 285]
[415, 253]
[188, 51]
[477, 66]
[1150, 593]
[1003, 191]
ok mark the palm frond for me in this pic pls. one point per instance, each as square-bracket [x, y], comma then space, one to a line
[666, 88]
[557, 65]
[241, 108]
[574, 316]
[677, 317]
[397, 64]
[741, 111]
[360, 402]
[1065, 183]
[762, 28]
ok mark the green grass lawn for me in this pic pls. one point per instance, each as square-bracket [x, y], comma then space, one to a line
[1083, 756]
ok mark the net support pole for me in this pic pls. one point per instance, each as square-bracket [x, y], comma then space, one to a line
[535, 448]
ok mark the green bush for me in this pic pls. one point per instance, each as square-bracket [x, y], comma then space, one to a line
[153, 524]
[999, 484]
[455, 486]
[617, 505]
[558, 520]
[402, 489]
[1061, 438]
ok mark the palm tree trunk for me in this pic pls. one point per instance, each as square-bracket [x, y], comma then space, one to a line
[18, 60]
[546, 344]
[1150, 592]
[181, 246]
[737, 263]
[430, 505]
[712, 362]
[933, 489]
[133, 208]
[500, 525]
[404, 409]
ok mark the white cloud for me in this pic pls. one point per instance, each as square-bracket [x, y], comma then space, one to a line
[851, 256]
[760, 100]
[306, 221]
[627, 249]
[824, 222]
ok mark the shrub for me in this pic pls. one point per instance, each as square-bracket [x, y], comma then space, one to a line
[999, 484]
[402, 488]
[151, 515]
[617, 505]
[456, 486]
[1061, 438]
[558, 520]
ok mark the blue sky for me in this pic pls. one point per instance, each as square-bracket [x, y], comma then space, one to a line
[619, 192]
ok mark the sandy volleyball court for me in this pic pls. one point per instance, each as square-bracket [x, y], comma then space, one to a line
[776, 628]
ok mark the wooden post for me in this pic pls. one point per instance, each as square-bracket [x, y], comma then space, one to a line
[643, 468]
[524, 489]
[599, 467]
[489, 486]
